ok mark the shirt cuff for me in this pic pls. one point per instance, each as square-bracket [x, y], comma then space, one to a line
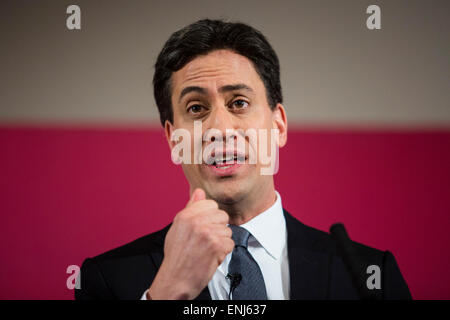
[144, 296]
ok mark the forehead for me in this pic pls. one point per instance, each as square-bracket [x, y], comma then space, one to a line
[216, 69]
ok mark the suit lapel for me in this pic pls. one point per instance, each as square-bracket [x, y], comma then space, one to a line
[308, 268]
[204, 295]
[157, 251]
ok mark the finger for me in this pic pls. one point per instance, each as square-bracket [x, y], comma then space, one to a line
[220, 217]
[228, 245]
[204, 206]
[210, 214]
[197, 195]
[222, 232]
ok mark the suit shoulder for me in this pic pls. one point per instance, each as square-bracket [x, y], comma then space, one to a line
[143, 245]
[324, 242]
[124, 272]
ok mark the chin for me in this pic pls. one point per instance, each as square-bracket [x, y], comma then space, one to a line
[227, 196]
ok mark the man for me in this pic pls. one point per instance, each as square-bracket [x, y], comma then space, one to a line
[233, 240]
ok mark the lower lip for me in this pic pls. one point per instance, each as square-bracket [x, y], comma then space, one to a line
[225, 170]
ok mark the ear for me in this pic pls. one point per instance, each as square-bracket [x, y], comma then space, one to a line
[279, 121]
[168, 129]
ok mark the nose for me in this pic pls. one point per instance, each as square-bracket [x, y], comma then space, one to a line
[222, 121]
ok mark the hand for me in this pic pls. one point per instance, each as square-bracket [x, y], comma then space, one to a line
[196, 244]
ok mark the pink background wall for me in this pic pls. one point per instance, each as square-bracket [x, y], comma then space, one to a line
[69, 193]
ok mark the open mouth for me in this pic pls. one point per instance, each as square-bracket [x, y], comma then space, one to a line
[226, 162]
[224, 165]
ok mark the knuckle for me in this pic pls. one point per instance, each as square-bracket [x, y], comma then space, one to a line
[216, 245]
[203, 232]
[224, 215]
[222, 256]
[181, 216]
[230, 245]
[187, 217]
[196, 225]
[212, 204]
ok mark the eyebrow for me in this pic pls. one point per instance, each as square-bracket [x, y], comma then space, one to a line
[234, 87]
[226, 88]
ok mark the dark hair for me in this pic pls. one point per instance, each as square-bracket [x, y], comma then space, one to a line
[204, 36]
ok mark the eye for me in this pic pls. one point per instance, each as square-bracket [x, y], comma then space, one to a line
[195, 109]
[240, 104]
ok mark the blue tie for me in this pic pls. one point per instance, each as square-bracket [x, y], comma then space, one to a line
[243, 268]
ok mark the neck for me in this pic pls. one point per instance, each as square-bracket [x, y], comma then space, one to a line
[251, 205]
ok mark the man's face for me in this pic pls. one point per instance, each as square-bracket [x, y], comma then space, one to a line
[223, 90]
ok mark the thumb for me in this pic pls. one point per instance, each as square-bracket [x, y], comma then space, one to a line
[197, 195]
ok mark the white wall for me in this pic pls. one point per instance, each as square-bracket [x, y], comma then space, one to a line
[334, 70]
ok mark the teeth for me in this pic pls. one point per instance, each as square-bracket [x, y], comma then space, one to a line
[222, 159]
[225, 167]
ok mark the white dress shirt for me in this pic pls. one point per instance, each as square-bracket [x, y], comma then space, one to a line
[268, 246]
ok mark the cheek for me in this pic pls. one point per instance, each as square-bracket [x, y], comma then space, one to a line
[256, 122]
[190, 171]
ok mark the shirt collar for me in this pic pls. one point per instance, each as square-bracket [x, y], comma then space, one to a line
[269, 229]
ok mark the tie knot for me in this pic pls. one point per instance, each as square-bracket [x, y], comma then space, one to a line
[240, 236]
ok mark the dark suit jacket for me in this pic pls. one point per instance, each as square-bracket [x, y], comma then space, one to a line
[316, 268]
